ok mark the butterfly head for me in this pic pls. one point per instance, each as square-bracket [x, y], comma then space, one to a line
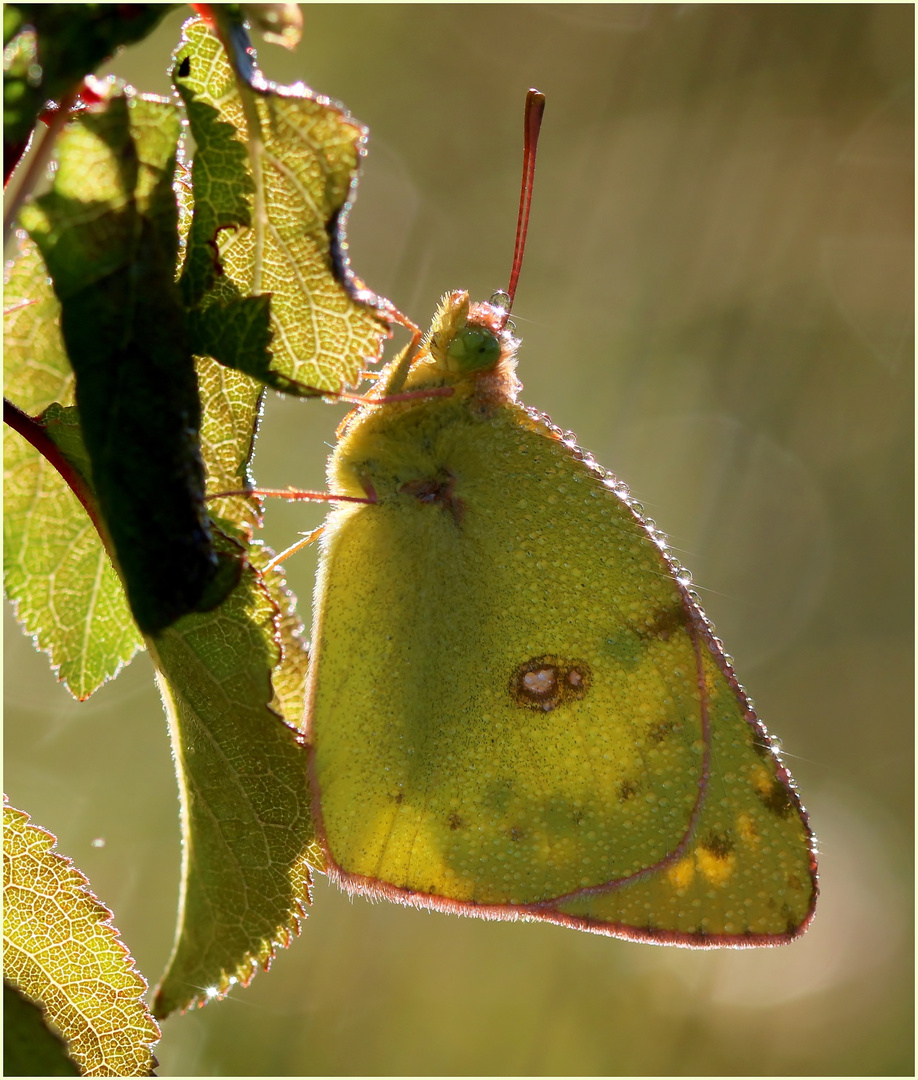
[467, 341]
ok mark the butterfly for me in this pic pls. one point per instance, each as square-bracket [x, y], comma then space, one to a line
[516, 708]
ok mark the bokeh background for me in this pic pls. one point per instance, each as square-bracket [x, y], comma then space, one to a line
[717, 299]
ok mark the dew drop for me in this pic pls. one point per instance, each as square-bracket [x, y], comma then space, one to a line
[501, 299]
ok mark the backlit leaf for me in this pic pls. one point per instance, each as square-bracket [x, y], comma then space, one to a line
[247, 832]
[58, 576]
[108, 233]
[278, 233]
[231, 406]
[61, 950]
[289, 677]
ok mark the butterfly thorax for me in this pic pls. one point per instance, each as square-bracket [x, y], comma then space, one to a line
[407, 442]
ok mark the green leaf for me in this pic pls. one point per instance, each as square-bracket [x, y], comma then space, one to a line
[57, 573]
[289, 677]
[247, 844]
[30, 1047]
[36, 370]
[108, 234]
[235, 645]
[61, 951]
[50, 48]
[248, 838]
[272, 871]
[61, 582]
[246, 827]
[231, 407]
[273, 172]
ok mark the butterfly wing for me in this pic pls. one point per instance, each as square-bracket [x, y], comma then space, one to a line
[515, 710]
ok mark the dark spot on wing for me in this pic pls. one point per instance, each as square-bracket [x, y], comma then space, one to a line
[664, 624]
[777, 799]
[545, 682]
[718, 844]
[660, 731]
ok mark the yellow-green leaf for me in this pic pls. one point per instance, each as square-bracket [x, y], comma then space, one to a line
[61, 950]
[274, 172]
[289, 677]
[57, 574]
[246, 827]
[36, 370]
[230, 408]
[107, 231]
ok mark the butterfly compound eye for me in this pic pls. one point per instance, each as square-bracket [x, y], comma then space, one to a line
[473, 348]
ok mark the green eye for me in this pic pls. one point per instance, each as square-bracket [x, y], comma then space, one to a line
[473, 349]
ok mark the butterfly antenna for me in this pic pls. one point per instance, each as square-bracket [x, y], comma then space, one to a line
[532, 123]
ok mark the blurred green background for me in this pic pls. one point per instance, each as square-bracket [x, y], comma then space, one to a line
[717, 298]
